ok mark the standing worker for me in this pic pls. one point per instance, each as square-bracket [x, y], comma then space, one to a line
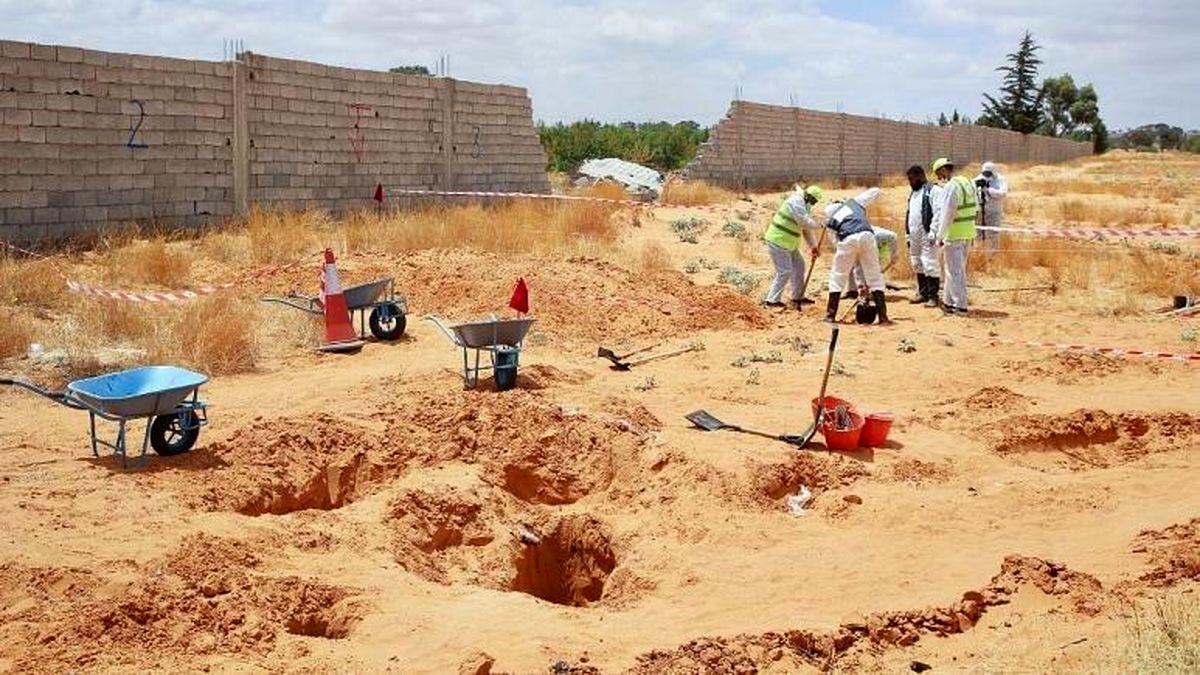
[955, 228]
[993, 188]
[923, 203]
[791, 221]
[855, 245]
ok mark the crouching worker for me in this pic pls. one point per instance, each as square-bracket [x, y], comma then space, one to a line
[856, 245]
[888, 248]
[791, 222]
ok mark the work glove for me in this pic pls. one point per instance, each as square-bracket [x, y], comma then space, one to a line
[816, 252]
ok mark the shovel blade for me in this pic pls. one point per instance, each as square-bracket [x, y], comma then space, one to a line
[704, 420]
[606, 353]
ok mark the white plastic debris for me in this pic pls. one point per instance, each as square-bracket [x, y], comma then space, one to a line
[798, 501]
[635, 177]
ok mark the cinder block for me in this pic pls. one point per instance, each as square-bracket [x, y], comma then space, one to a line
[16, 50]
[18, 117]
[44, 118]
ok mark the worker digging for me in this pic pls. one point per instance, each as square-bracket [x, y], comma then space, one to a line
[791, 221]
[856, 245]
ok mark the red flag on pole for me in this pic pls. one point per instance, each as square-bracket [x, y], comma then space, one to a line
[378, 193]
[520, 297]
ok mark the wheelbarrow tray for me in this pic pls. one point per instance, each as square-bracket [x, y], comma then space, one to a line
[484, 334]
[366, 295]
[140, 392]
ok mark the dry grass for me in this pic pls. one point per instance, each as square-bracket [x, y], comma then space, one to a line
[278, 236]
[215, 335]
[153, 262]
[16, 332]
[527, 225]
[31, 283]
[654, 258]
[694, 193]
[1163, 636]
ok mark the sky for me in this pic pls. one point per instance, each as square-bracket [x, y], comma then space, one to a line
[615, 60]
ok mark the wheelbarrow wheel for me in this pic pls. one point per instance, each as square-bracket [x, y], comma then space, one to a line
[387, 322]
[174, 434]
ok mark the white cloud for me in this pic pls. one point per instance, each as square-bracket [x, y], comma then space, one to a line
[620, 59]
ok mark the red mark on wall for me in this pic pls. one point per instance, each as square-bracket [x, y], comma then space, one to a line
[358, 142]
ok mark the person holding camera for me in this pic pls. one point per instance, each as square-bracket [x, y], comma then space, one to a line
[955, 231]
[993, 188]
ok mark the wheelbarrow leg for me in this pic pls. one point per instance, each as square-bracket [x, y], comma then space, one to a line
[146, 441]
[92, 421]
[120, 446]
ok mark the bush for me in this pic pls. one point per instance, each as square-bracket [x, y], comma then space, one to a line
[659, 145]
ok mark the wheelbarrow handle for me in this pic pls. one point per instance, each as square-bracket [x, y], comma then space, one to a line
[60, 397]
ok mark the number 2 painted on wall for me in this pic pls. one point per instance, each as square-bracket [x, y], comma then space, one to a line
[133, 130]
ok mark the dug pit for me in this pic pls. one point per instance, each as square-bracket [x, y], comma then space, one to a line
[1091, 438]
[570, 566]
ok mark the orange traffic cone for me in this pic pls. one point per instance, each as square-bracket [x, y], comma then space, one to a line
[339, 332]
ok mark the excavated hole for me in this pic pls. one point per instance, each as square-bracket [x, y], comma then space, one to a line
[331, 487]
[569, 566]
[332, 623]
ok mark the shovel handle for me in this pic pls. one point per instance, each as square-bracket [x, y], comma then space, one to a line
[833, 338]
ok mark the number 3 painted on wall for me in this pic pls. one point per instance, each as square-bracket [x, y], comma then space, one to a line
[133, 130]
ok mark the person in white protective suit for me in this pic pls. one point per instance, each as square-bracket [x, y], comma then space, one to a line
[888, 247]
[993, 188]
[955, 230]
[855, 245]
[789, 225]
[924, 203]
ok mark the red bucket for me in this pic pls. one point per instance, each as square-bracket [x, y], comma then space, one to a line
[831, 404]
[875, 430]
[843, 440]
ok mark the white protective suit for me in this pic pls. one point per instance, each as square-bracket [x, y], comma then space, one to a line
[922, 246]
[790, 265]
[883, 238]
[993, 207]
[855, 249]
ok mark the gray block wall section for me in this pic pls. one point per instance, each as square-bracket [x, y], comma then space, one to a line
[94, 140]
[758, 145]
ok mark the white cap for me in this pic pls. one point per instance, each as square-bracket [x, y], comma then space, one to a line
[988, 167]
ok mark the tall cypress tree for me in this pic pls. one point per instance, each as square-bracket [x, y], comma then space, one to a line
[1019, 106]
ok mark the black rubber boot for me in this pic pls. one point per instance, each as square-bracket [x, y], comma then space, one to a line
[832, 307]
[935, 292]
[922, 290]
[881, 307]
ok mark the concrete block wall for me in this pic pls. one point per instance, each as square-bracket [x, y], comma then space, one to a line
[93, 140]
[759, 145]
[90, 139]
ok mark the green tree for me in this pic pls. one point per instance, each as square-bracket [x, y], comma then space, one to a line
[943, 121]
[1099, 137]
[1059, 95]
[410, 70]
[1192, 144]
[660, 145]
[1019, 106]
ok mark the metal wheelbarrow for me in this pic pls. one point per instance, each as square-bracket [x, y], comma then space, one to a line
[500, 338]
[166, 396]
[386, 319]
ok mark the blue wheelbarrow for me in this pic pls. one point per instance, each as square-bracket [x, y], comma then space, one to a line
[166, 396]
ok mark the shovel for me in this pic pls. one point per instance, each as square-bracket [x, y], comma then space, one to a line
[706, 421]
[812, 265]
[807, 436]
[626, 365]
[606, 353]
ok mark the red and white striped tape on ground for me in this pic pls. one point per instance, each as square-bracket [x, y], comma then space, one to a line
[1091, 232]
[1119, 352]
[177, 295]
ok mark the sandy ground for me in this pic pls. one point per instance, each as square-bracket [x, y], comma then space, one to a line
[364, 513]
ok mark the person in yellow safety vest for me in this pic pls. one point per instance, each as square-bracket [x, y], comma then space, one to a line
[791, 222]
[955, 230]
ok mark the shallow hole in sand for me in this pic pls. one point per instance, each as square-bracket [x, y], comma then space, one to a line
[330, 487]
[570, 565]
[331, 623]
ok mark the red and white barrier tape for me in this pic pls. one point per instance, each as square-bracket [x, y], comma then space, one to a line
[177, 295]
[1119, 352]
[1091, 232]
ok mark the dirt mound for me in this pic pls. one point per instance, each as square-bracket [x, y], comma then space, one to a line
[987, 401]
[792, 649]
[1174, 553]
[997, 398]
[290, 464]
[204, 598]
[580, 299]
[450, 534]
[570, 565]
[540, 451]
[773, 482]
[1093, 438]
[1069, 367]
[918, 472]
